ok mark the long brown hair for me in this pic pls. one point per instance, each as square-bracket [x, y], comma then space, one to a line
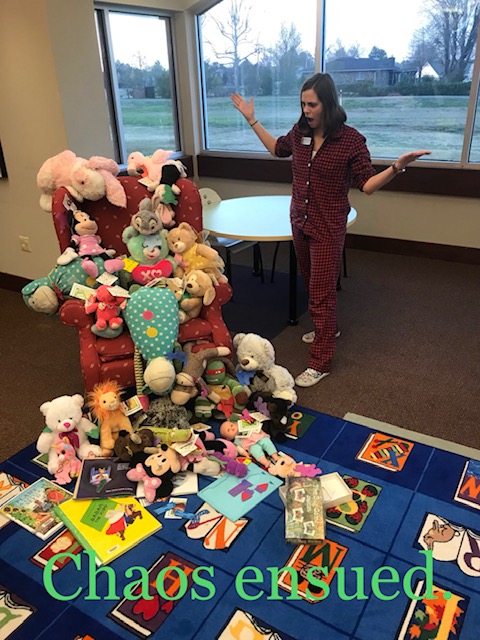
[333, 114]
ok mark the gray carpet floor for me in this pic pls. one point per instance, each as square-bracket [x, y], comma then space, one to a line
[409, 352]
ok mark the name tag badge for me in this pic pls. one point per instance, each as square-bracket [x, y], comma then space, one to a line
[306, 141]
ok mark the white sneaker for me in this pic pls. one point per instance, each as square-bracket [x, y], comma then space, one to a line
[310, 377]
[310, 336]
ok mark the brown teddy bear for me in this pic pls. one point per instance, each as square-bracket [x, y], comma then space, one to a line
[191, 254]
[201, 291]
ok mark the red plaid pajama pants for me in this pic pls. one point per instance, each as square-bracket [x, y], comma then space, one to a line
[319, 265]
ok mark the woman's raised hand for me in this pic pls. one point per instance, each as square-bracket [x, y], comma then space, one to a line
[247, 109]
[410, 156]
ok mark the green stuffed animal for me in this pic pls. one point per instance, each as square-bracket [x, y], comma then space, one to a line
[46, 294]
[225, 394]
[152, 318]
[152, 254]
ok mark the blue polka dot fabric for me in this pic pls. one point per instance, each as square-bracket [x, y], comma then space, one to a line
[152, 318]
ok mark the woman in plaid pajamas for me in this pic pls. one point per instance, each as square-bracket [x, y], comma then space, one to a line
[328, 157]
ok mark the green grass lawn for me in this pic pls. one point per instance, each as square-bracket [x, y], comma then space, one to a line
[391, 124]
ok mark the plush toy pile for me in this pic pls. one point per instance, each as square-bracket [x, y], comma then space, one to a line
[171, 276]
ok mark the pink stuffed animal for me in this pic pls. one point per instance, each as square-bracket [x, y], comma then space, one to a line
[68, 464]
[96, 178]
[85, 179]
[55, 172]
[107, 307]
[148, 169]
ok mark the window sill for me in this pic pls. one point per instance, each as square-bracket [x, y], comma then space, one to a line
[442, 181]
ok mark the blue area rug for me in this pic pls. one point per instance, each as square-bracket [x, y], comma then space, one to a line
[408, 497]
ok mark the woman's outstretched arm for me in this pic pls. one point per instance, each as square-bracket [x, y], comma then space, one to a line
[247, 109]
[381, 179]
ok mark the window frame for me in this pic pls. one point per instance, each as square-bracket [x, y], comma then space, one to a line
[102, 11]
[426, 177]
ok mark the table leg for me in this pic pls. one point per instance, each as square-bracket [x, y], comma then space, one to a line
[292, 288]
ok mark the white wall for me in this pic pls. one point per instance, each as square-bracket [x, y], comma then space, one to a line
[53, 99]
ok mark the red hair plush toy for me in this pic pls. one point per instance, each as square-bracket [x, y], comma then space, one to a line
[107, 308]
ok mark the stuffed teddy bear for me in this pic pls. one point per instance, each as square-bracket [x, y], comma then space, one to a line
[86, 244]
[64, 419]
[105, 403]
[201, 291]
[107, 308]
[256, 356]
[45, 295]
[190, 253]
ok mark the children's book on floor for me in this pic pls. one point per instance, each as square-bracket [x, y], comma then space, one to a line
[33, 508]
[103, 478]
[109, 526]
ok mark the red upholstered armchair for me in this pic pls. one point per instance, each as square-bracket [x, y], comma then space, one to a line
[112, 358]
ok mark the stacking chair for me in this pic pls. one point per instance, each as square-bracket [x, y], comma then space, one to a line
[231, 246]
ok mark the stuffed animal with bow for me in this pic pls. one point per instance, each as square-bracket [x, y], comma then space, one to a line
[86, 244]
[155, 468]
[106, 406]
[190, 252]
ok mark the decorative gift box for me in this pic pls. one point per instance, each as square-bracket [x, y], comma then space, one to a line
[304, 516]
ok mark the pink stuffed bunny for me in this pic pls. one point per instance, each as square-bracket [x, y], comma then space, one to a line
[96, 178]
[55, 172]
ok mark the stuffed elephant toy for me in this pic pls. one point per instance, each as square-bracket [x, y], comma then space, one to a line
[45, 294]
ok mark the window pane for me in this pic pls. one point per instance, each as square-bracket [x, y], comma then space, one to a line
[261, 49]
[141, 54]
[475, 148]
[404, 76]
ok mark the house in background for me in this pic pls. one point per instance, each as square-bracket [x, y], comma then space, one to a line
[380, 72]
[432, 70]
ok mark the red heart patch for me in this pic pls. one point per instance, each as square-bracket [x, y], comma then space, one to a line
[147, 608]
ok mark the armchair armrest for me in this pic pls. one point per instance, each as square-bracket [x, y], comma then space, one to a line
[72, 313]
[212, 313]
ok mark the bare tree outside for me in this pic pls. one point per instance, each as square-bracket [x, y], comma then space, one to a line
[451, 32]
[239, 42]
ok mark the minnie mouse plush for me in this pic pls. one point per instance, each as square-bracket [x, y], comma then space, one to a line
[86, 244]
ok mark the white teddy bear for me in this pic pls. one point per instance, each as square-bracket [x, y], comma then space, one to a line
[257, 354]
[64, 418]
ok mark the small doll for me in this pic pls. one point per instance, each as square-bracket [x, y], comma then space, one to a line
[258, 446]
[86, 244]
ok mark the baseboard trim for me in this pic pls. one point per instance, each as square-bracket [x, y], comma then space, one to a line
[450, 253]
[11, 282]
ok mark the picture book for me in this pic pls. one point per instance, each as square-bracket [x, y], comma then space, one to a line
[109, 526]
[103, 478]
[9, 486]
[304, 519]
[385, 451]
[352, 515]
[234, 497]
[468, 489]
[298, 423]
[33, 508]
[42, 460]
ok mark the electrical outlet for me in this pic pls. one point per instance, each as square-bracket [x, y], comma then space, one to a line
[25, 243]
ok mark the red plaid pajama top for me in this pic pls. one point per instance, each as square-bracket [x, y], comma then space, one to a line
[320, 186]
